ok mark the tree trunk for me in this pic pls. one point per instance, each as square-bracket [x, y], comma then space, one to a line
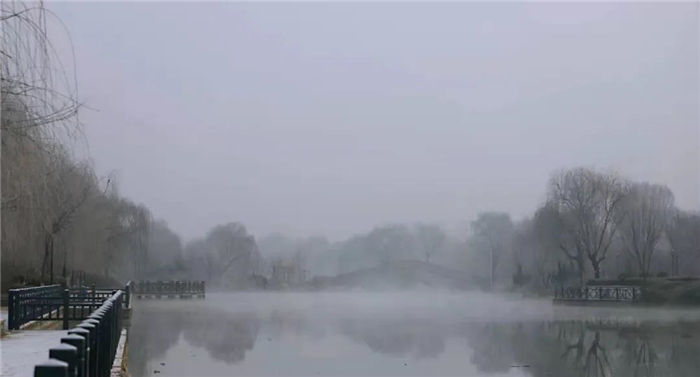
[581, 270]
[65, 262]
[642, 271]
[596, 267]
[491, 277]
[45, 260]
[647, 262]
[595, 263]
[51, 251]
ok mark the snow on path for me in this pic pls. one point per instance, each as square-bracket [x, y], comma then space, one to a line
[21, 350]
[3, 316]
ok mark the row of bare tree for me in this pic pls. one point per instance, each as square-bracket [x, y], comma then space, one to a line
[58, 217]
[593, 224]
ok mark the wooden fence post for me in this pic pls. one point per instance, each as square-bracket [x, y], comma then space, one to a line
[11, 310]
[66, 353]
[66, 304]
[127, 294]
[51, 368]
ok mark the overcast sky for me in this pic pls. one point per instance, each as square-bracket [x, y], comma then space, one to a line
[330, 119]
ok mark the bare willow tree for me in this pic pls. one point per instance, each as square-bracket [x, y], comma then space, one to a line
[38, 113]
[52, 202]
[33, 72]
[587, 203]
[644, 215]
[68, 184]
[23, 197]
[127, 230]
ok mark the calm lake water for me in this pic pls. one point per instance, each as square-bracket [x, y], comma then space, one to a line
[407, 334]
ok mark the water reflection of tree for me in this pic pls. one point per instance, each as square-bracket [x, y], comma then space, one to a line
[416, 338]
[226, 336]
[566, 348]
[638, 350]
[488, 355]
[662, 349]
[683, 349]
[588, 358]
[151, 335]
[577, 348]
[596, 363]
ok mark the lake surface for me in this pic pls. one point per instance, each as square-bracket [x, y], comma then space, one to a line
[407, 334]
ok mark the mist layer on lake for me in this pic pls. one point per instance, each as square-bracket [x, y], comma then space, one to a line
[418, 333]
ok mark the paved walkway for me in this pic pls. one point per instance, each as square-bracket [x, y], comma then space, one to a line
[21, 350]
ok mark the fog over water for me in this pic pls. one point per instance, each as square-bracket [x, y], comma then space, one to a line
[419, 333]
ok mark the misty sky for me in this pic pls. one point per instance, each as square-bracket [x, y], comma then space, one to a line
[333, 118]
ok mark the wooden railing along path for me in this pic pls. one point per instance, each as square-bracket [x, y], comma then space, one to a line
[55, 303]
[172, 288]
[89, 349]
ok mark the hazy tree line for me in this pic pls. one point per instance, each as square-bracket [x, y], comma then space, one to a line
[59, 219]
[380, 246]
[592, 225]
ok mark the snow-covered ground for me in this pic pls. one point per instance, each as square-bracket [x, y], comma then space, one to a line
[21, 350]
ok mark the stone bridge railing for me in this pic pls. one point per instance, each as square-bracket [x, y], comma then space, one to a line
[622, 293]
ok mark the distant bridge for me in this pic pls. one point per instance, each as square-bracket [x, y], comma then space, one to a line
[398, 274]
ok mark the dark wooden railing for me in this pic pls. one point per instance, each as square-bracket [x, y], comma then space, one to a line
[88, 350]
[621, 293]
[54, 303]
[173, 288]
[34, 302]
